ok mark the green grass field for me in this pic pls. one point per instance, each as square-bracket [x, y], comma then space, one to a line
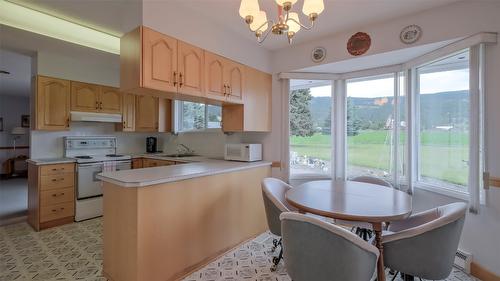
[443, 154]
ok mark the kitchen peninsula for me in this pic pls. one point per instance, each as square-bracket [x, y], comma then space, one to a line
[161, 223]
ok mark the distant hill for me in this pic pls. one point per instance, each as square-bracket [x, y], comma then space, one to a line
[436, 109]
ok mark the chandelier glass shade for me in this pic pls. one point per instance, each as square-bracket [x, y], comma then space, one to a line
[288, 22]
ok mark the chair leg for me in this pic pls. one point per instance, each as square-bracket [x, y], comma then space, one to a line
[408, 277]
[275, 245]
[276, 260]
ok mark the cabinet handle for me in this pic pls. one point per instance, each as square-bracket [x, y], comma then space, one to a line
[56, 210]
[225, 89]
[230, 89]
[100, 105]
[67, 122]
[59, 179]
[175, 78]
[58, 194]
[124, 125]
[96, 105]
[56, 169]
[180, 79]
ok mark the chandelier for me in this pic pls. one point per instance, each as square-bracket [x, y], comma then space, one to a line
[288, 23]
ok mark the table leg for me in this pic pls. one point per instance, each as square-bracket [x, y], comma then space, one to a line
[377, 228]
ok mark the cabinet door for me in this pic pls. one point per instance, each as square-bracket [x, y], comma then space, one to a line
[146, 114]
[190, 66]
[52, 104]
[84, 97]
[214, 76]
[234, 79]
[159, 61]
[110, 100]
[128, 112]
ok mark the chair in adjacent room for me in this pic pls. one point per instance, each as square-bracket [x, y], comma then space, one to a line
[320, 251]
[424, 245]
[363, 229]
[273, 192]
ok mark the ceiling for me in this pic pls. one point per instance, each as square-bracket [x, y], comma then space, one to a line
[18, 82]
[111, 16]
[119, 16]
[337, 16]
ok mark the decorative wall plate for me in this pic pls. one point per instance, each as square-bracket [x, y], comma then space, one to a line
[318, 54]
[410, 34]
[359, 43]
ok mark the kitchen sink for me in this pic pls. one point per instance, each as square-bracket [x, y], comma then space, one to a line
[178, 155]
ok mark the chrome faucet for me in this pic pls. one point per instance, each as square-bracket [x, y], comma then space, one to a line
[183, 148]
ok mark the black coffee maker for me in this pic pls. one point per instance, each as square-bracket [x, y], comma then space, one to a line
[151, 145]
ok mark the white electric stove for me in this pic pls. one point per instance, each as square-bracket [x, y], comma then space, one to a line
[92, 155]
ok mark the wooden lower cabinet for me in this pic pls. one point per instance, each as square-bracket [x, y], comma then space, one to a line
[137, 163]
[51, 195]
[147, 163]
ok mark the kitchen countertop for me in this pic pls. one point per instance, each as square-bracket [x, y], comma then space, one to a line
[199, 167]
[49, 161]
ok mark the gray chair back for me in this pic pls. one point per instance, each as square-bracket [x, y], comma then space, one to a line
[320, 251]
[273, 193]
[426, 247]
[372, 180]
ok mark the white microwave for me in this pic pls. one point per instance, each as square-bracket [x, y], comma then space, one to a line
[246, 152]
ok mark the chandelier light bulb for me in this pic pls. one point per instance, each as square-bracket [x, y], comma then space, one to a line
[292, 25]
[259, 19]
[313, 7]
[249, 8]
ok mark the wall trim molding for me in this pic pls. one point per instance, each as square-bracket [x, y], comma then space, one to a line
[482, 273]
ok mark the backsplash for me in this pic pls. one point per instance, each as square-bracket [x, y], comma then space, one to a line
[46, 144]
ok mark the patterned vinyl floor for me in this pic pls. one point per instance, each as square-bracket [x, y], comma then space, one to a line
[74, 252]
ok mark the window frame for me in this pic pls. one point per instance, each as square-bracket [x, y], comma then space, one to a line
[177, 117]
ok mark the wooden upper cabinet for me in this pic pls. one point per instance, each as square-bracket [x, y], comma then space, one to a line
[84, 97]
[153, 114]
[215, 86]
[190, 66]
[159, 55]
[254, 115]
[146, 110]
[52, 104]
[128, 113]
[110, 100]
[234, 80]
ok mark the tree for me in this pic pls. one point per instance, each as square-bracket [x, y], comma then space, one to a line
[301, 123]
[327, 125]
[353, 123]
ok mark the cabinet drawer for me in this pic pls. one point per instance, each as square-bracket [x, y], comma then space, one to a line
[57, 169]
[57, 196]
[57, 211]
[57, 181]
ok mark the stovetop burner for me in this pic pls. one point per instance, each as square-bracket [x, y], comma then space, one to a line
[114, 155]
[83, 157]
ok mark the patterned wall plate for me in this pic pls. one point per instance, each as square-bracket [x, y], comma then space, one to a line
[359, 43]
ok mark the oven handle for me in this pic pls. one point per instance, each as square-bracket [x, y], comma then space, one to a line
[97, 164]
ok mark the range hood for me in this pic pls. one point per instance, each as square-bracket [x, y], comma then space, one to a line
[95, 117]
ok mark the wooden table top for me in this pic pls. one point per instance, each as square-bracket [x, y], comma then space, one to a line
[350, 200]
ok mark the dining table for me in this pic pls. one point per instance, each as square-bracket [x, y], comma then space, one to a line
[353, 201]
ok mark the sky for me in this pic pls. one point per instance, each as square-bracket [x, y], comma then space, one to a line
[430, 83]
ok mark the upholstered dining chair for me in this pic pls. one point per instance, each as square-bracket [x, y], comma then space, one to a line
[363, 229]
[273, 192]
[321, 251]
[424, 245]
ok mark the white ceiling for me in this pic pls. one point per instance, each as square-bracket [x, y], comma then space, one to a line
[18, 82]
[119, 16]
[111, 16]
[339, 15]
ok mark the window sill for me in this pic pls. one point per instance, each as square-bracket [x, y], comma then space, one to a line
[211, 130]
[443, 191]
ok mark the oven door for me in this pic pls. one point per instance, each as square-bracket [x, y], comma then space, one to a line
[87, 184]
